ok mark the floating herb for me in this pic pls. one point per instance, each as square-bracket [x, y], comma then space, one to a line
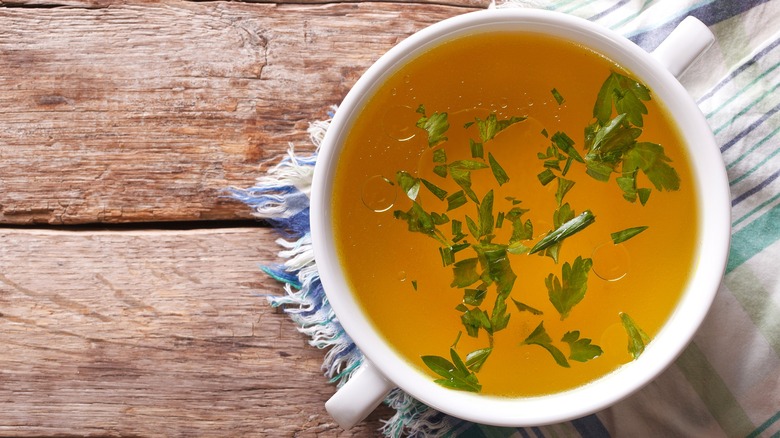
[498, 171]
[581, 349]
[433, 188]
[569, 290]
[637, 338]
[455, 374]
[622, 236]
[568, 229]
[540, 337]
[526, 308]
[436, 126]
[557, 96]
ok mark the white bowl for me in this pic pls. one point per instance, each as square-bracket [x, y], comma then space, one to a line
[386, 370]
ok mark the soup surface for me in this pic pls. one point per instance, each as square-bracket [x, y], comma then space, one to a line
[443, 252]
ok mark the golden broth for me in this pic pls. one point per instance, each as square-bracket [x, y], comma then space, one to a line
[508, 74]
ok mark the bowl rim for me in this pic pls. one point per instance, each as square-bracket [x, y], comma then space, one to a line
[714, 225]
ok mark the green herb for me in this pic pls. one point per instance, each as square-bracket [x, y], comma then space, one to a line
[477, 151]
[622, 236]
[569, 290]
[627, 96]
[637, 338]
[475, 319]
[447, 256]
[540, 337]
[417, 219]
[486, 215]
[477, 358]
[465, 273]
[520, 230]
[498, 171]
[644, 195]
[581, 349]
[566, 144]
[500, 219]
[517, 248]
[439, 156]
[557, 96]
[474, 297]
[460, 171]
[439, 219]
[456, 199]
[545, 134]
[433, 188]
[546, 177]
[564, 185]
[553, 164]
[568, 229]
[454, 374]
[472, 226]
[409, 184]
[651, 160]
[414, 284]
[499, 319]
[491, 126]
[498, 267]
[436, 125]
[526, 308]
[440, 170]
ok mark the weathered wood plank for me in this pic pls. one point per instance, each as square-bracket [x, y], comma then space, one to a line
[159, 333]
[147, 111]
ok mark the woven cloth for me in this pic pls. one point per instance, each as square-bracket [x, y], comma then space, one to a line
[727, 382]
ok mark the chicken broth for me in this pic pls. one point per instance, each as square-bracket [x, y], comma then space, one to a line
[509, 216]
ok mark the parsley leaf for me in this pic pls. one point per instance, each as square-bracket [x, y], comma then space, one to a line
[581, 350]
[557, 96]
[498, 267]
[650, 159]
[454, 375]
[626, 94]
[477, 151]
[546, 177]
[456, 199]
[477, 358]
[465, 273]
[623, 235]
[526, 308]
[540, 337]
[491, 126]
[486, 215]
[567, 229]
[409, 184]
[436, 125]
[498, 171]
[433, 188]
[474, 319]
[569, 290]
[461, 173]
[564, 185]
[474, 297]
[637, 338]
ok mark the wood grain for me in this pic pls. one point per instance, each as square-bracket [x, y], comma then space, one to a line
[156, 333]
[146, 111]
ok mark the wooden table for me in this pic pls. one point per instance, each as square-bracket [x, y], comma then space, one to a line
[130, 295]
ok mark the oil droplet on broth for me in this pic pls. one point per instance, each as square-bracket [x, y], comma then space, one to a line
[611, 262]
[402, 276]
[378, 193]
[399, 122]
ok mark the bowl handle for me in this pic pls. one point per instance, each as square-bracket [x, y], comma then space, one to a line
[357, 398]
[686, 42]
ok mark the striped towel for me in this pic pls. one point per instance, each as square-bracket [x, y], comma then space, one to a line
[727, 382]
